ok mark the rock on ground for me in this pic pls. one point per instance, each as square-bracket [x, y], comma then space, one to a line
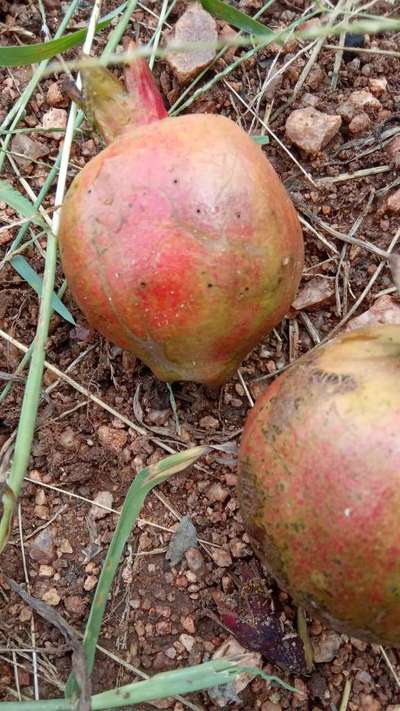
[310, 129]
[316, 292]
[360, 123]
[326, 646]
[29, 149]
[393, 151]
[378, 86]
[55, 119]
[195, 25]
[359, 100]
[393, 202]
[103, 498]
[42, 548]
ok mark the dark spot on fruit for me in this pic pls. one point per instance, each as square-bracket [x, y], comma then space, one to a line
[198, 211]
[143, 283]
[246, 288]
[238, 215]
[209, 286]
[340, 382]
[90, 191]
[176, 181]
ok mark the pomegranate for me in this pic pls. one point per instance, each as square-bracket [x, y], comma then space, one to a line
[319, 483]
[178, 240]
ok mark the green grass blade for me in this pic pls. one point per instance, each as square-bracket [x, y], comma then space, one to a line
[20, 204]
[17, 56]
[261, 140]
[118, 31]
[25, 209]
[171, 683]
[179, 681]
[24, 269]
[138, 490]
[30, 403]
[234, 17]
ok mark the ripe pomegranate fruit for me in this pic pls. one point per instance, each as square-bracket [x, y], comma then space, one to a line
[319, 483]
[178, 240]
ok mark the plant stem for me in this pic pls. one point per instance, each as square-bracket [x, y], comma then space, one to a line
[138, 490]
[346, 696]
[30, 404]
[302, 630]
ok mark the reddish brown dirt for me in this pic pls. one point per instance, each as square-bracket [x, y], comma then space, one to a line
[83, 450]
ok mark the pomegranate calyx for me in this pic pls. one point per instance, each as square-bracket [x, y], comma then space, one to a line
[111, 108]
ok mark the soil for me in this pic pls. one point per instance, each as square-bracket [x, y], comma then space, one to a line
[81, 449]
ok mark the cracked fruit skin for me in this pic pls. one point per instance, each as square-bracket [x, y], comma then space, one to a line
[181, 245]
[319, 483]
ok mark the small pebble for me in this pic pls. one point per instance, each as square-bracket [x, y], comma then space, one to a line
[326, 646]
[315, 77]
[364, 677]
[360, 123]
[310, 100]
[170, 652]
[195, 561]
[314, 293]
[111, 438]
[65, 546]
[104, 498]
[51, 597]
[42, 548]
[54, 95]
[25, 615]
[55, 119]
[90, 583]
[42, 512]
[75, 605]
[239, 549]
[310, 129]
[378, 86]
[46, 571]
[188, 624]
[209, 423]
[393, 202]
[68, 439]
[216, 492]
[221, 557]
[187, 641]
[362, 99]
